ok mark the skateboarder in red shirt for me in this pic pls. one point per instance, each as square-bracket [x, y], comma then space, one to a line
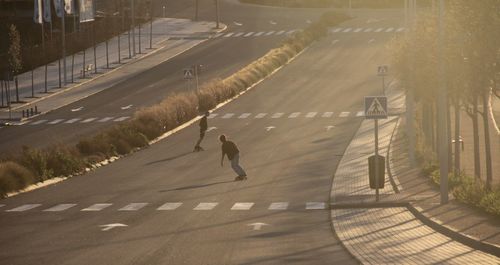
[233, 154]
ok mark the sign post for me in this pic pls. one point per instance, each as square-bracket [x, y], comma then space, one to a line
[383, 71]
[375, 109]
[188, 76]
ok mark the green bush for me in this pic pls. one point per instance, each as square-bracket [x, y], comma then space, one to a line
[491, 202]
[14, 177]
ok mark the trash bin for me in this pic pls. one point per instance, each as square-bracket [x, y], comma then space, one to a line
[381, 171]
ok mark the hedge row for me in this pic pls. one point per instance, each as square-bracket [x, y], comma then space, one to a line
[469, 191]
[34, 165]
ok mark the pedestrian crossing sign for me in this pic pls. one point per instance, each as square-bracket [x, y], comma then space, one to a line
[383, 70]
[188, 73]
[376, 107]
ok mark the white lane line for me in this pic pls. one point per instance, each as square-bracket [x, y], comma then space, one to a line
[400, 29]
[344, 114]
[229, 35]
[358, 30]
[360, 114]
[260, 115]
[205, 206]
[72, 120]
[270, 33]
[259, 34]
[277, 115]
[371, 41]
[96, 207]
[122, 118]
[244, 115]
[335, 42]
[212, 115]
[242, 206]
[169, 206]
[23, 208]
[278, 206]
[379, 29]
[106, 119]
[134, 206]
[280, 32]
[337, 30]
[315, 206]
[368, 30]
[60, 207]
[294, 115]
[311, 114]
[88, 120]
[249, 34]
[327, 115]
[228, 115]
[389, 30]
[38, 122]
[56, 121]
[347, 30]
[239, 34]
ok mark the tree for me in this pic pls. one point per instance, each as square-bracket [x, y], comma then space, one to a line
[14, 54]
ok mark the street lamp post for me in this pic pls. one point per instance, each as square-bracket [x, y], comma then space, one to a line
[442, 111]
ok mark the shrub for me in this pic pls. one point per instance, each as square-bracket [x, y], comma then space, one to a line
[64, 161]
[98, 144]
[491, 202]
[14, 177]
[36, 161]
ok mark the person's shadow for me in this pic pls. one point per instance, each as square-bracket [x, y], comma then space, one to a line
[168, 158]
[198, 186]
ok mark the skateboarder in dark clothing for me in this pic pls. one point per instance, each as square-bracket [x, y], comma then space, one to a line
[203, 129]
[233, 154]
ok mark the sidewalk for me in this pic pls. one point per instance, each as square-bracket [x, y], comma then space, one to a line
[171, 35]
[388, 231]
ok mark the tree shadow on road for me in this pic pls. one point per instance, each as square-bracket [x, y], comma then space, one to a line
[198, 186]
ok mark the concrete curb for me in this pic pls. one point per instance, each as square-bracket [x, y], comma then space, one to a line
[436, 225]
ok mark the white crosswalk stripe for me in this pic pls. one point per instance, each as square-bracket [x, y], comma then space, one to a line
[379, 29]
[97, 207]
[294, 115]
[260, 115]
[270, 33]
[347, 30]
[122, 118]
[38, 122]
[280, 32]
[23, 208]
[106, 119]
[239, 34]
[212, 115]
[72, 120]
[88, 120]
[218, 35]
[290, 32]
[228, 115]
[228, 35]
[327, 115]
[278, 206]
[344, 114]
[389, 30]
[169, 206]
[315, 206]
[242, 206]
[259, 34]
[337, 30]
[358, 30]
[56, 121]
[400, 29]
[133, 206]
[244, 115]
[60, 207]
[311, 114]
[360, 114]
[249, 34]
[277, 115]
[205, 206]
[368, 30]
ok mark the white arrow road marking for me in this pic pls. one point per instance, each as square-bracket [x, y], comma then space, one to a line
[272, 22]
[77, 109]
[237, 23]
[127, 107]
[270, 128]
[257, 226]
[328, 128]
[211, 129]
[111, 226]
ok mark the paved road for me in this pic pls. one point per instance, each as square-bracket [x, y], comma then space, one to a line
[183, 208]
[221, 57]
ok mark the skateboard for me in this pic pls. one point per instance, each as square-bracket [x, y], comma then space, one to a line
[238, 178]
[198, 149]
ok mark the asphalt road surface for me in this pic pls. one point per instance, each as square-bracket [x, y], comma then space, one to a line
[167, 205]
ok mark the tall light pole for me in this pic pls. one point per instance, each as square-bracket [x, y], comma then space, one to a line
[217, 13]
[133, 26]
[410, 15]
[442, 111]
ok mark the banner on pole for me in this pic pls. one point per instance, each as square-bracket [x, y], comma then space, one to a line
[58, 7]
[69, 6]
[47, 15]
[37, 16]
[86, 10]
